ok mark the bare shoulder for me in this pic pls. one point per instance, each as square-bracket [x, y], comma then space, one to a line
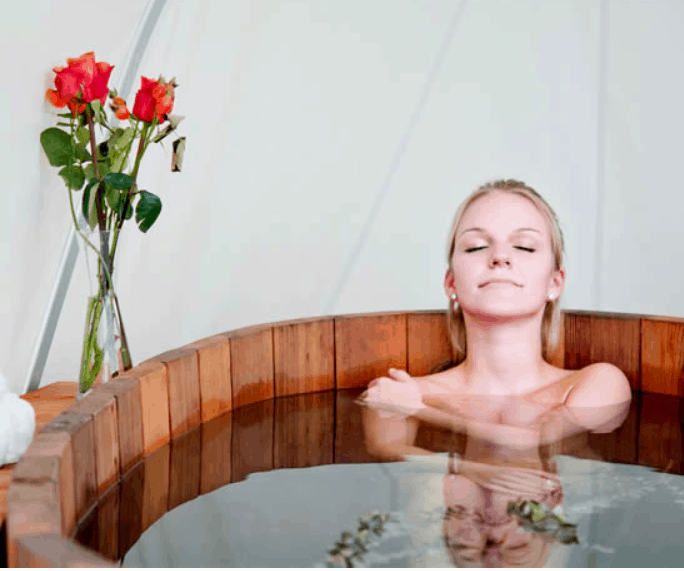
[600, 383]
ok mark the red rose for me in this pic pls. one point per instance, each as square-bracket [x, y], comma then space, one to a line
[83, 80]
[154, 99]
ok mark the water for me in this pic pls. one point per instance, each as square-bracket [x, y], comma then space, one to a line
[300, 476]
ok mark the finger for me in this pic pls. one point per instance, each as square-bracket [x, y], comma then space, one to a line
[399, 375]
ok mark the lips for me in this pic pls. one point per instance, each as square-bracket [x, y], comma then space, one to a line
[499, 282]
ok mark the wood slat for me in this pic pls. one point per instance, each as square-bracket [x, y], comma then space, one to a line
[662, 357]
[58, 445]
[611, 339]
[154, 398]
[251, 358]
[184, 475]
[156, 485]
[130, 514]
[304, 357]
[53, 550]
[660, 432]
[216, 460]
[33, 508]
[81, 429]
[367, 346]
[126, 391]
[102, 409]
[216, 393]
[184, 389]
[428, 343]
[252, 448]
[304, 430]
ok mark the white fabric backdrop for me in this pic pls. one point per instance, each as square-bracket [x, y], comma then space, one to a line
[289, 203]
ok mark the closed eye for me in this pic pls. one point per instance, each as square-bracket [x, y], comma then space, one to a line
[482, 247]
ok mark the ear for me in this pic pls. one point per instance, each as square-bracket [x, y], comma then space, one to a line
[557, 283]
[449, 283]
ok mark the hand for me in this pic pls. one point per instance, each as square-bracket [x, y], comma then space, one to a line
[397, 396]
[525, 483]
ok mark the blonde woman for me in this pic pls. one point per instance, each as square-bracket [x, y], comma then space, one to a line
[504, 281]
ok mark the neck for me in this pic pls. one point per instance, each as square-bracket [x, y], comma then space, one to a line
[504, 355]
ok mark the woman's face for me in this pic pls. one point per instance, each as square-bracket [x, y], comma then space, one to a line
[503, 236]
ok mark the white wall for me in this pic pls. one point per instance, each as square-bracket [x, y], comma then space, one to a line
[321, 174]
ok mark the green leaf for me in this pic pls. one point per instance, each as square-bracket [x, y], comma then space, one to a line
[89, 171]
[88, 206]
[119, 180]
[57, 146]
[113, 198]
[65, 115]
[104, 166]
[82, 155]
[125, 138]
[147, 211]
[73, 176]
[95, 106]
[83, 135]
[114, 137]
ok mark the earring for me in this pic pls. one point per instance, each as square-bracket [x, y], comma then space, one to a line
[453, 297]
[550, 297]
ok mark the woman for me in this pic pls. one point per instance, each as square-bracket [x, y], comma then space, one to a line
[504, 280]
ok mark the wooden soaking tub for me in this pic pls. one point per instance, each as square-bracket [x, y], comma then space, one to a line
[88, 456]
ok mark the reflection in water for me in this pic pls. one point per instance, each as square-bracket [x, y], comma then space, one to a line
[502, 501]
[286, 504]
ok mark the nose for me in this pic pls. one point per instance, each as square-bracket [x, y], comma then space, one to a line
[499, 260]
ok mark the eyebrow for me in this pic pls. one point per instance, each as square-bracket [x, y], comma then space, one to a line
[485, 232]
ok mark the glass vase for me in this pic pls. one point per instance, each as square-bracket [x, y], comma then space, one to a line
[101, 344]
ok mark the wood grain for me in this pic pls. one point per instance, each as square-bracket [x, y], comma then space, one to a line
[304, 357]
[58, 445]
[304, 430]
[126, 391]
[251, 358]
[154, 399]
[184, 475]
[33, 508]
[598, 339]
[216, 453]
[662, 357]
[102, 409]
[428, 343]
[252, 448]
[53, 550]
[80, 428]
[216, 393]
[156, 485]
[366, 346]
[182, 367]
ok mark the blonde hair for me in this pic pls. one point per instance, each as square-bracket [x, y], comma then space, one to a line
[550, 328]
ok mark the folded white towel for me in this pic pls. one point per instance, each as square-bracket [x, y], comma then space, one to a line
[17, 424]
